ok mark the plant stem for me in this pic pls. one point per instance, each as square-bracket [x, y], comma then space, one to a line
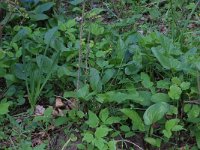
[87, 56]
[66, 144]
[127, 141]
[80, 49]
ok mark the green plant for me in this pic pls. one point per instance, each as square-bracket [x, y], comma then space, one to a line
[101, 125]
[104, 77]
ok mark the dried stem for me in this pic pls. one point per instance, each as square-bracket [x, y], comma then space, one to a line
[197, 102]
[80, 49]
[87, 56]
[127, 141]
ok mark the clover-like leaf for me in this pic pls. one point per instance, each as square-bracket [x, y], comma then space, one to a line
[102, 131]
[88, 137]
[103, 115]
[175, 92]
[93, 120]
[185, 85]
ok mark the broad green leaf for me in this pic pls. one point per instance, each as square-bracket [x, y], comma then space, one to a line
[175, 92]
[168, 62]
[133, 67]
[101, 53]
[43, 7]
[61, 121]
[88, 137]
[95, 80]
[65, 71]
[83, 92]
[112, 145]
[58, 45]
[177, 128]
[154, 13]
[20, 71]
[135, 118]
[99, 143]
[48, 112]
[62, 26]
[171, 123]
[4, 108]
[38, 17]
[120, 49]
[155, 112]
[93, 120]
[94, 12]
[49, 35]
[71, 23]
[125, 128]
[163, 84]
[80, 114]
[24, 32]
[187, 108]
[112, 96]
[167, 133]
[194, 112]
[146, 82]
[160, 97]
[112, 120]
[11, 91]
[96, 29]
[40, 147]
[108, 74]
[2, 54]
[153, 141]
[76, 2]
[144, 98]
[2, 72]
[44, 63]
[3, 5]
[103, 115]
[161, 58]
[176, 80]
[129, 134]
[185, 85]
[102, 132]
[197, 135]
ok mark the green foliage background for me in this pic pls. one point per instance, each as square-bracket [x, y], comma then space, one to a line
[132, 67]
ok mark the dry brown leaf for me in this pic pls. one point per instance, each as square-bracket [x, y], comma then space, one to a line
[55, 113]
[59, 103]
[60, 112]
[39, 110]
[36, 142]
[72, 104]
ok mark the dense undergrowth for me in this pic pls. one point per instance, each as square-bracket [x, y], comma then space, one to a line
[99, 75]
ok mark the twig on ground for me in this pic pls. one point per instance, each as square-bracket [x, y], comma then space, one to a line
[12, 143]
[193, 102]
[66, 144]
[127, 141]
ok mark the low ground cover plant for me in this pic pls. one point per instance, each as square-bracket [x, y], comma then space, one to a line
[99, 75]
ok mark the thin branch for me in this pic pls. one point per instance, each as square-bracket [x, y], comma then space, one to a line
[10, 138]
[193, 102]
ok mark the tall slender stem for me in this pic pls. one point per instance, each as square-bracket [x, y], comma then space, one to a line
[80, 49]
